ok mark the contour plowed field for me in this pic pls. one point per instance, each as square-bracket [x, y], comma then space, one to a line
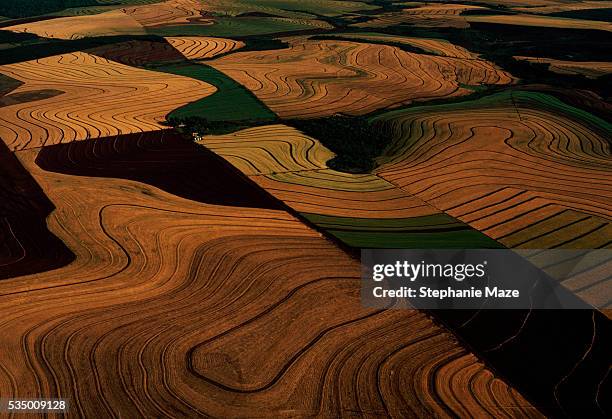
[101, 98]
[200, 47]
[26, 245]
[318, 78]
[428, 15]
[361, 210]
[509, 167]
[432, 45]
[240, 288]
[170, 12]
[270, 149]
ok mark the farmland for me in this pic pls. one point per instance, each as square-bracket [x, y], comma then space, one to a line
[124, 235]
[186, 187]
[319, 78]
[70, 116]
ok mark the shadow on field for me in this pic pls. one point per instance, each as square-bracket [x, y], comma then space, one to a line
[163, 159]
[26, 245]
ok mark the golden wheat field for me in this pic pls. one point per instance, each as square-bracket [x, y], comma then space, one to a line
[357, 209]
[99, 98]
[318, 78]
[214, 291]
[201, 47]
[507, 167]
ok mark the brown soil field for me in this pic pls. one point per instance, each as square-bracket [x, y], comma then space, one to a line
[511, 170]
[201, 47]
[427, 15]
[590, 69]
[241, 287]
[102, 98]
[542, 21]
[319, 78]
[115, 22]
[138, 53]
[170, 12]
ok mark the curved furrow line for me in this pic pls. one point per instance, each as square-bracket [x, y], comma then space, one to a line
[320, 78]
[127, 100]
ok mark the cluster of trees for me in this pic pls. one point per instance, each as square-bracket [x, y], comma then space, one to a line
[26, 8]
[355, 141]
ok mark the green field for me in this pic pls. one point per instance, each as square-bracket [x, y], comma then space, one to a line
[433, 231]
[231, 102]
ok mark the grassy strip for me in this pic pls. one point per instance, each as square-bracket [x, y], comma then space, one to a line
[423, 222]
[231, 107]
[439, 231]
[467, 239]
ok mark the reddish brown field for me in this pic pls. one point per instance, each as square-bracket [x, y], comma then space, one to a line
[138, 53]
[432, 45]
[508, 172]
